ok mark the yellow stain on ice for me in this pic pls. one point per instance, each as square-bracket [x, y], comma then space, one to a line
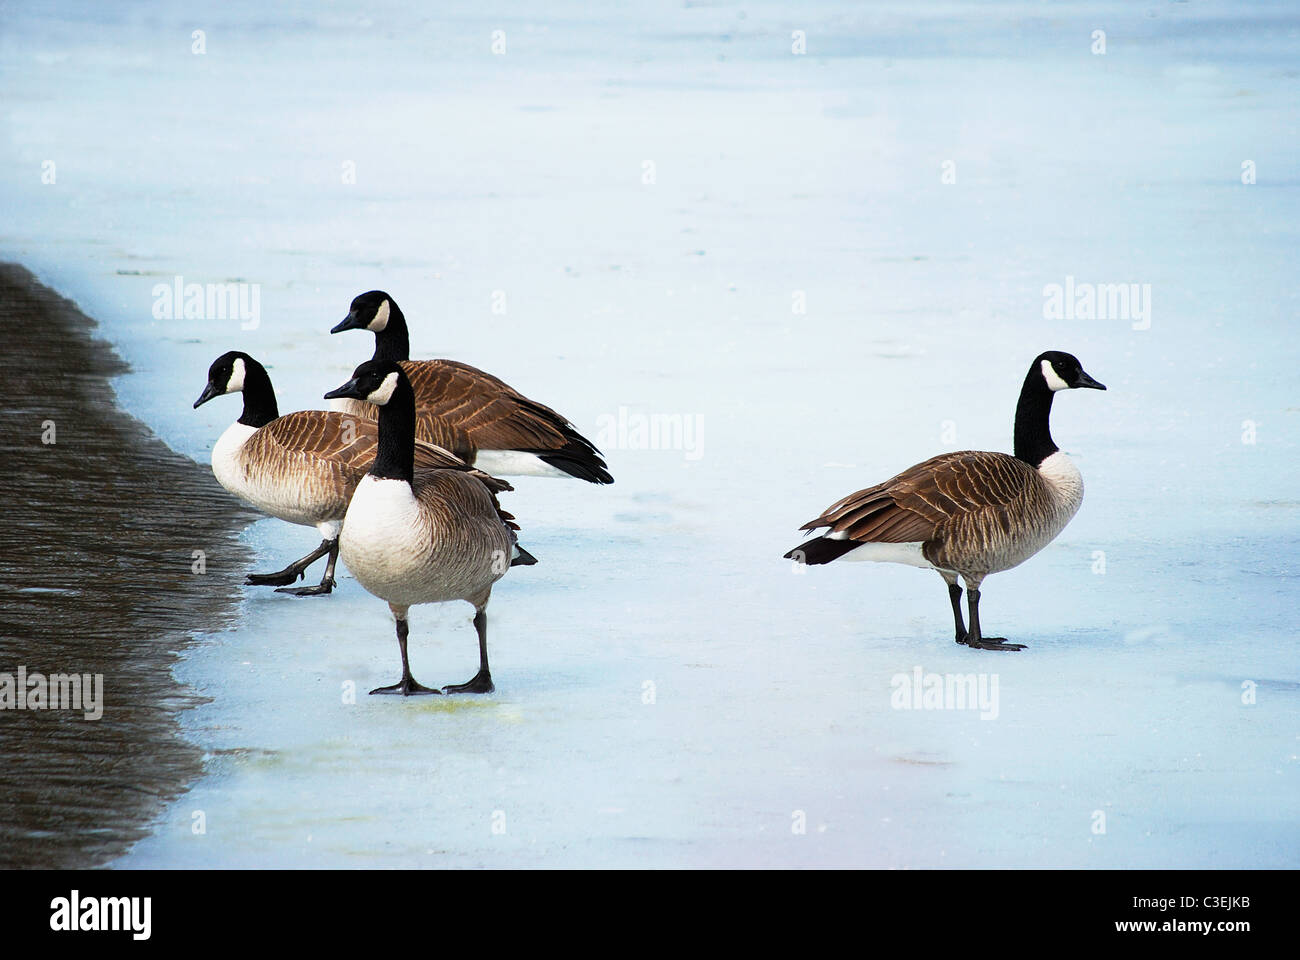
[445, 704]
[506, 713]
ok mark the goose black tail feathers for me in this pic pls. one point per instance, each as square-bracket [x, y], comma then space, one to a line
[578, 458]
[821, 550]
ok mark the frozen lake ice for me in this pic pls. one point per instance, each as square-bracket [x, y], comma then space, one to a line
[665, 211]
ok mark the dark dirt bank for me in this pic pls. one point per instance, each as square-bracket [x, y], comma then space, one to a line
[96, 554]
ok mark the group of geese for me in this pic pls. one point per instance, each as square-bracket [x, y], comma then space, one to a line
[400, 479]
[393, 476]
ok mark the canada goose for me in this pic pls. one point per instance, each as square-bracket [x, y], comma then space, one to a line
[302, 467]
[412, 537]
[479, 418]
[971, 513]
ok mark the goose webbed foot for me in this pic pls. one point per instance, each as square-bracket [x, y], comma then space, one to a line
[482, 683]
[990, 643]
[975, 636]
[321, 589]
[408, 686]
[281, 578]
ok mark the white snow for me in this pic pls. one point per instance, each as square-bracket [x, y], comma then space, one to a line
[666, 210]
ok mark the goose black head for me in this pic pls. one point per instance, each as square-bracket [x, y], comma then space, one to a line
[1062, 371]
[228, 374]
[374, 381]
[370, 311]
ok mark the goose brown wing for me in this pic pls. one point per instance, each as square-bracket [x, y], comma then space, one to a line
[318, 434]
[466, 410]
[459, 495]
[919, 503]
[314, 448]
[488, 413]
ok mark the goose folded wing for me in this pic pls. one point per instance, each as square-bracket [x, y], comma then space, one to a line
[474, 410]
[456, 495]
[916, 505]
[346, 444]
[309, 450]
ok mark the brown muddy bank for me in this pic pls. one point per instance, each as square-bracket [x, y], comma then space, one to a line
[96, 577]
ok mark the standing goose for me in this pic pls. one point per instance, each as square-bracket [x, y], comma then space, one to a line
[413, 538]
[971, 513]
[302, 467]
[473, 414]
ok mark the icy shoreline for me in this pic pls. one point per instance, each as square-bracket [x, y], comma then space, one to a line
[98, 578]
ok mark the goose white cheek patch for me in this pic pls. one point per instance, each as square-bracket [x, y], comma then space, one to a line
[384, 392]
[1054, 381]
[236, 381]
[381, 318]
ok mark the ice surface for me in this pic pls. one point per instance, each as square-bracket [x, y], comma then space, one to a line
[774, 174]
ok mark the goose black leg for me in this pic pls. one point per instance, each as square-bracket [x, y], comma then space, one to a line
[293, 571]
[407, 686]
[482, 681]
[976, 639]
[327, 582]
[954, 593]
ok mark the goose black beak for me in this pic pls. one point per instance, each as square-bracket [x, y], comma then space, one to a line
[1087, 381]
[350, 322]
[349, 391]
[210, 391]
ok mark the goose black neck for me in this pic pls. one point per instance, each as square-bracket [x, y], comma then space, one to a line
[395, 458]
[393, 342]
[259, 396]
[1033, 432]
